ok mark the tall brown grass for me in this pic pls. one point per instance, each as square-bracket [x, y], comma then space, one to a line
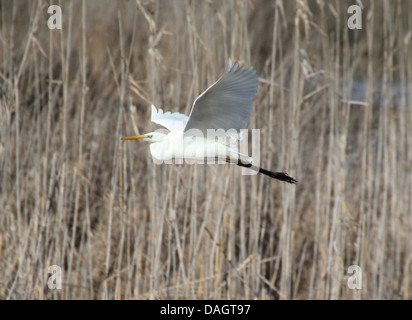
[120, 227]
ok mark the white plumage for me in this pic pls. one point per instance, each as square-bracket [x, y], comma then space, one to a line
[212, 130]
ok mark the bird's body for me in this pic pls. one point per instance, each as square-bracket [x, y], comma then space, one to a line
[178, 145]
[212, 130]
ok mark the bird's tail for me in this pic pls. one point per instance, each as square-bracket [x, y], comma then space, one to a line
[282, 176]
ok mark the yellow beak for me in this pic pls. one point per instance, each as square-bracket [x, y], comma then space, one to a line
[134, 137]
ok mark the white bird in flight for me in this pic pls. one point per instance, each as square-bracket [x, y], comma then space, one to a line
[224, 107]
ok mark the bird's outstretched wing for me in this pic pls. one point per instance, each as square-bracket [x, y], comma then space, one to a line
[172, 121]
[227, 103]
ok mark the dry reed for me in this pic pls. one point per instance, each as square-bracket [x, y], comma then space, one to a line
[121, 227]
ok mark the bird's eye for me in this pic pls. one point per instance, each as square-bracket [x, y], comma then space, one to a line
[150, 136]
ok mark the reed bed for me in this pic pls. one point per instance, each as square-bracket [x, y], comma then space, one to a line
[121, 227]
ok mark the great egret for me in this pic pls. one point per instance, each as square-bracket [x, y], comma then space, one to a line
[225, 107]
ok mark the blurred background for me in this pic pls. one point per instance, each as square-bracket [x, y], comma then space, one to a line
[333, 108]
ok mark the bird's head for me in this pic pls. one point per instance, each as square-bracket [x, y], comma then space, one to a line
[150, 137]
